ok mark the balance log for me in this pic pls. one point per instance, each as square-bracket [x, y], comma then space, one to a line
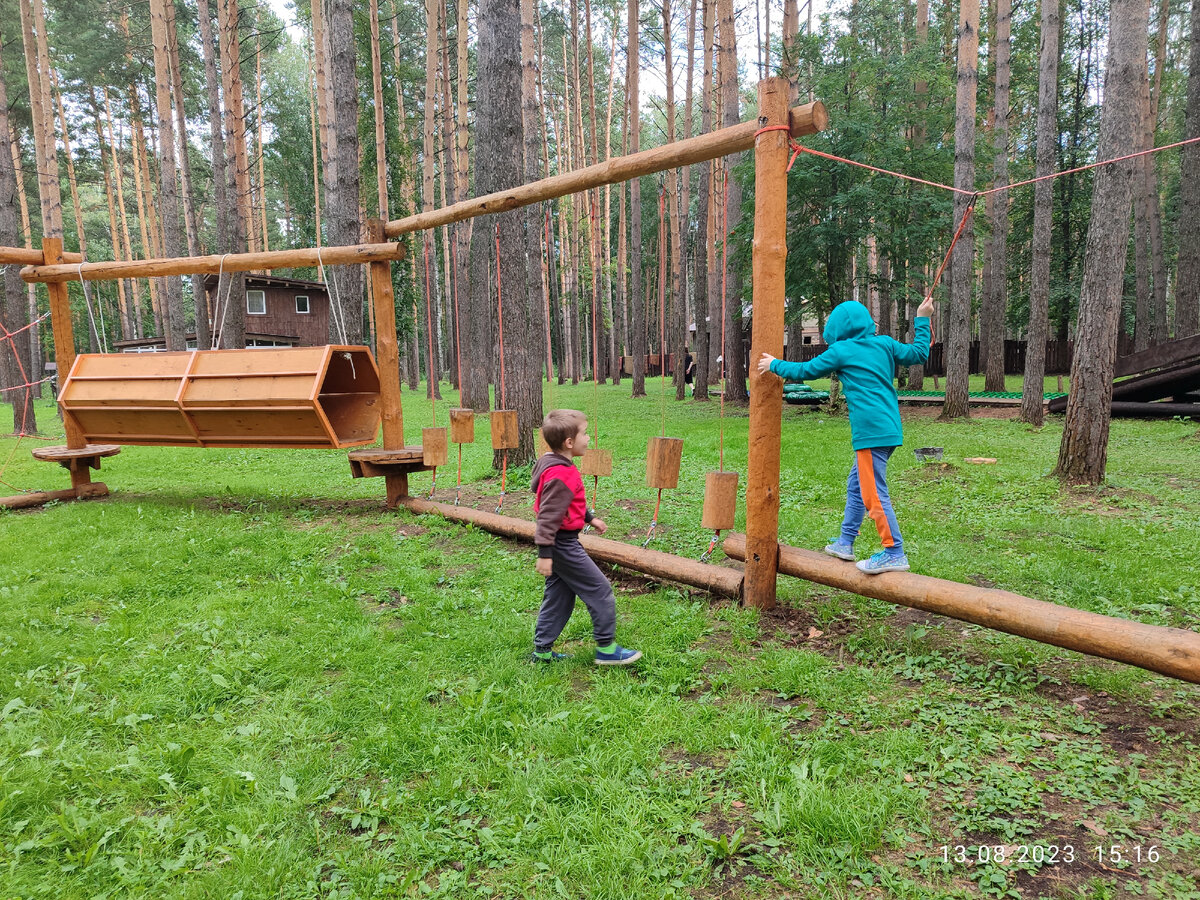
[715, 579]
[1168, 651]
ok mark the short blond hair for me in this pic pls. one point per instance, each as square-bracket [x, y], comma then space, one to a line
[560, 425]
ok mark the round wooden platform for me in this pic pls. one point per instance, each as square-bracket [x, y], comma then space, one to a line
[65, 454]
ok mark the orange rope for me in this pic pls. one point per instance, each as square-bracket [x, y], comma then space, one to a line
[724, 286]
[457, 338]
[429, 334]
[662, 304]
[503, 394]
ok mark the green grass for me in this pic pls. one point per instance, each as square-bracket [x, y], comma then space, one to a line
[239, 676]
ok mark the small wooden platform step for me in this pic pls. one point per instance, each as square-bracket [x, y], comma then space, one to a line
[377, 462]
[393, 465]
[72, 457]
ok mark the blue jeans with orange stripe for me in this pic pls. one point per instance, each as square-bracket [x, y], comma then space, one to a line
[867, 495]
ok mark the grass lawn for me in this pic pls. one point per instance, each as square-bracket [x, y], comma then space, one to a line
[239, 676]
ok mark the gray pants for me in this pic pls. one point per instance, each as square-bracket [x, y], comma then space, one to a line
[575, 575]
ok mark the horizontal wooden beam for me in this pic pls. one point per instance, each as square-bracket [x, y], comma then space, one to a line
[21, 256]
[41, 498]
[803, 120]
[212, 265]
[1169, 651]
[714, 579]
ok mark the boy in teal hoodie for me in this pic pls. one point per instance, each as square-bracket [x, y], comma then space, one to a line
[866, 364]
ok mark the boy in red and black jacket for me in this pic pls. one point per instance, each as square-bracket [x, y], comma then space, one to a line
[561, 508]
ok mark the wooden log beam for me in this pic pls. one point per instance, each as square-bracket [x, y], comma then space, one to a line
[1168, 651]
[211, 265]
[1154, 410]
[802, 120]
[20, 256]
[41, 498]
[714, 579]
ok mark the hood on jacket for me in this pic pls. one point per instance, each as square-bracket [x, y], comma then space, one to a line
[544, 462]
[849, 321]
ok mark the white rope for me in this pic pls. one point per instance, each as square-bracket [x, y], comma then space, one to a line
[87, 299]
[335, 305]
[219, 323]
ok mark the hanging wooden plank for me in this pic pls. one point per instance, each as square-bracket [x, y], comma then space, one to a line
[435, 450]
[462, 426]
[720, 501]
[663, 456]
[596, 462]
[506, 435]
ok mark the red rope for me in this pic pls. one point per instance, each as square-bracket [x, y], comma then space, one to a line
[795, 148]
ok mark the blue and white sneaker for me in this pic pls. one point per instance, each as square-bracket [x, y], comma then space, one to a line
[839, 548]
[620, 656]
[884, 561]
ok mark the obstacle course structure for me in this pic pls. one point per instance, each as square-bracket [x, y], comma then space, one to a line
[1159, 382]
[1171, 651]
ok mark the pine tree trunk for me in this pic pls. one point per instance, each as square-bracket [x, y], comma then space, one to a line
[168, 195]
[342, 196]
[995, 271]
[264, 242]
[462, 230]
[916, 374]
[676, 329]
[532, 215]
[33, 35]
[229, 324]
[1083, 453]
[637, 341]
[16, 360]
[962, 268]
[1187, 275]
[499, 128]
[203, 336]
[216, 132]
[95, 340]
[735, 357]
[133, 327]
[1161, 325]
[1143, 327]
[429, 259]
[143, 195]
[610, 322]
[107, 163]
[708, 307]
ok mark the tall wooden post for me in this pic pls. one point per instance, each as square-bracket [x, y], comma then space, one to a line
[387, 358]
[766, 391]
[64, 342]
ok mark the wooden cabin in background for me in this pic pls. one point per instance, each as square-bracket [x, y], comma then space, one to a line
[280, 312]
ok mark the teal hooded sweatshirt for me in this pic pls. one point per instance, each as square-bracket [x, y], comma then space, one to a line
[866, 364]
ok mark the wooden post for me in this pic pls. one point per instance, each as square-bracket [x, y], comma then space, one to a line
[387, 357]
[766, 391]
[64, 349]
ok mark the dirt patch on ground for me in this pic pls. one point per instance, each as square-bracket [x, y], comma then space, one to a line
[1129, 727]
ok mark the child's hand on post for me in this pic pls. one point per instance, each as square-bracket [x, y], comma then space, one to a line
[764, 363]
[545, 567]
[600, 525]
[925, 310]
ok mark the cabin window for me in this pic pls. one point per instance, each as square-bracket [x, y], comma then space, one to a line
[256, 303]
[302, 305]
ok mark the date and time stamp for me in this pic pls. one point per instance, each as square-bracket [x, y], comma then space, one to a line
[1108, 855]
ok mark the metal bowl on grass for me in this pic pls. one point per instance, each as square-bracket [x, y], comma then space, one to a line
[929, 454]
